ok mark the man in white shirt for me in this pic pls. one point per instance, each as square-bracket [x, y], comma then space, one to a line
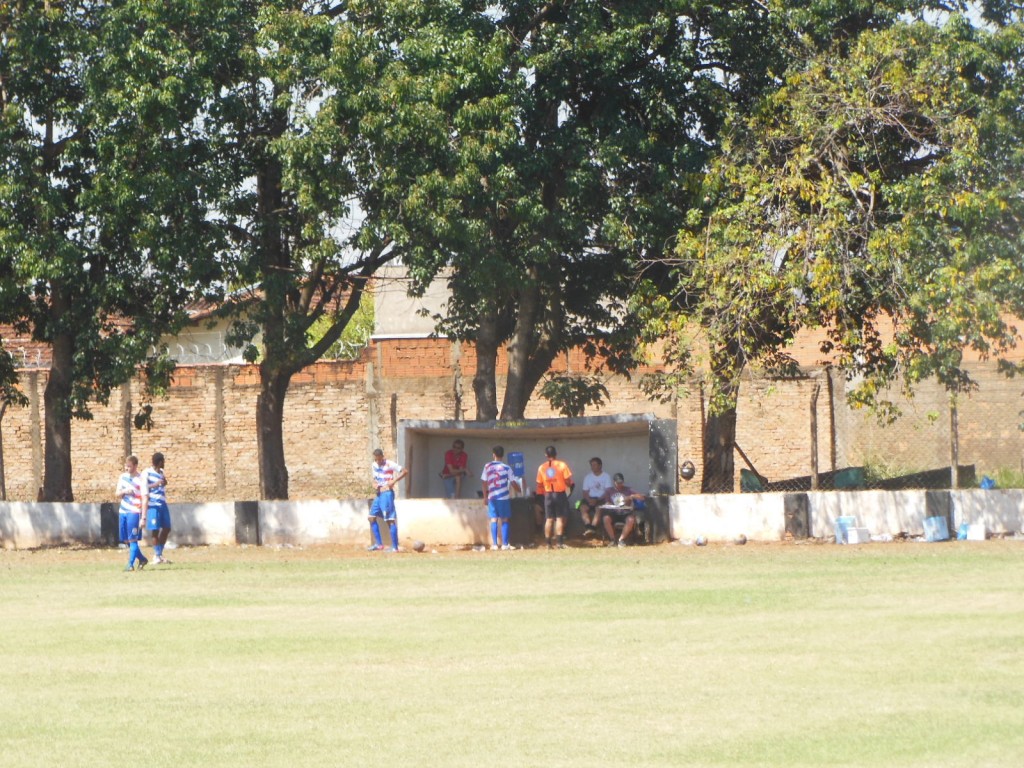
[594, 487]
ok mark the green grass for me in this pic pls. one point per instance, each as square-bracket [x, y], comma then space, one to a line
[1007, 477]
[764, 655]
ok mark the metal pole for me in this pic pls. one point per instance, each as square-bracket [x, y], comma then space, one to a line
[3, 470]
[814, 435]
[954, 444]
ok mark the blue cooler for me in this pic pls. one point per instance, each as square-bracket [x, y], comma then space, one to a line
[518, 464]
[843, 524]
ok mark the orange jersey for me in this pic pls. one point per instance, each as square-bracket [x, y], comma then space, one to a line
[554, 476]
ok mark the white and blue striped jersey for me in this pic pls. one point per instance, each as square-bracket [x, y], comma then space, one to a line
[498, 476]
[157, 489]
[385, 473]
[131, 490]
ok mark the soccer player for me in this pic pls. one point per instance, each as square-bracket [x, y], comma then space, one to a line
[133, 495]
[498, 481]
[386, 475]
[158, 515]
[554, 480]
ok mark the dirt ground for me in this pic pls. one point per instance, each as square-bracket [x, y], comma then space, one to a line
[73, 553]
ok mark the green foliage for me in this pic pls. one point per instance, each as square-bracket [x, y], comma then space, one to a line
[354, 337]
[1007, 477]
[96, 217]
[290, 216]
[876, 193]
[881, 468]
[572, 395]
[10, 394]
[156, 375]
[560, 146]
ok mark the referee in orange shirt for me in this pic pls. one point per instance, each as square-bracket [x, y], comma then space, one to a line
[554, 480]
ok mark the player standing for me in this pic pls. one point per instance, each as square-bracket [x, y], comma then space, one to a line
[498, 480]
[133, 495]
[158, 515]
[386, 475]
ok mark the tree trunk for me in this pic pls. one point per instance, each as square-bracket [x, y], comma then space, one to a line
[270, 434]
[484, 386]
[57, 419]
[535, 343]
[275, 373]
[720, 424]
[57, 395]
[523, 381]
[719, 442]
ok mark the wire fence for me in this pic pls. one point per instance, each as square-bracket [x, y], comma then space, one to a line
[865, 477]
[797, 442]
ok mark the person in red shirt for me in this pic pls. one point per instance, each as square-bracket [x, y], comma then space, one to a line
[456, 467]
[554, 481]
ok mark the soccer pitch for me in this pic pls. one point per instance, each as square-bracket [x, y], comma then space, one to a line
[900, 654]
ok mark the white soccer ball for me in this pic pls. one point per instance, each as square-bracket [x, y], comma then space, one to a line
[701, 541]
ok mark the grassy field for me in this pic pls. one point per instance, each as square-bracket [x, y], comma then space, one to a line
[899, 654]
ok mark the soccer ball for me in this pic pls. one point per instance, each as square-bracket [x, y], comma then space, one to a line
[701, 541]
[418, 546]
[741, 539]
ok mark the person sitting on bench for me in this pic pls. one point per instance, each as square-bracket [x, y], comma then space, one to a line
[594, 487]
[620, 507]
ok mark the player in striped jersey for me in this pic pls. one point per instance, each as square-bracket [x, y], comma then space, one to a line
[158, 515]
[386, 475]
[498, 482]
[133, 496]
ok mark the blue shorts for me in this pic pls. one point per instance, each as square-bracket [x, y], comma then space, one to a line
[384, 506]
[499, 508]
[128, 527]
[158, 517]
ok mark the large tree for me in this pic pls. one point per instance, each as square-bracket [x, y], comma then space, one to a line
[92, 243]
[565, 140]
[877, 194]
[298, 214]
[293, 243]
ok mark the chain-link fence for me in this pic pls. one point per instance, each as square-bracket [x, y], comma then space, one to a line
[803, 435]
[863, 477]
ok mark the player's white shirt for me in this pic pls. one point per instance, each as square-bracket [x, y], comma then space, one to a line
[131, 489]
[594, 486]
[385, 473]
[157, 489]
[499, 478]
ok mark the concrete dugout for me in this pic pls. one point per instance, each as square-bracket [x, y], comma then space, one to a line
[640, 446]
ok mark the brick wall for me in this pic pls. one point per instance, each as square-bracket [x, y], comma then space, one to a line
[337, 412]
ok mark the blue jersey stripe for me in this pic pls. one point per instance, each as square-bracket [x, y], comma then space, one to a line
[498, 477]
[157, 490]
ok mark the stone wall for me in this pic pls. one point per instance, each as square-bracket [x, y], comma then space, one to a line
[337, 412]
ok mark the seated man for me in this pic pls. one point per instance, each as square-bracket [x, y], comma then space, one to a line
[455, 468]
[594, 486]
[620, 506]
